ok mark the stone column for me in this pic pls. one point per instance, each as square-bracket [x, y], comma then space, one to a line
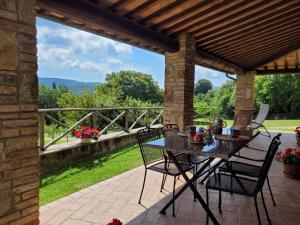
[244, 99]
[179, 84]
[19, 163]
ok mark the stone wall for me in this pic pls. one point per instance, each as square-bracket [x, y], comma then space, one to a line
[244, 99]
[62, 155]
[179, 84]
[19, 165]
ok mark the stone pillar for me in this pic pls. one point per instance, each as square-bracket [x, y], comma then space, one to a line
[19, 163]
[244, 99]
[179, 84]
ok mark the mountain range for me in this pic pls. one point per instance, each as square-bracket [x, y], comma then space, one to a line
[73, 85]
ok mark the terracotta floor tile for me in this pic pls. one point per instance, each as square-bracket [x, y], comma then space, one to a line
[118, 197]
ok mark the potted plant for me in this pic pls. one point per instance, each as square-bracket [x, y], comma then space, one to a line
[115, 222]
[297, 130]
[291, 161]
[86, 134]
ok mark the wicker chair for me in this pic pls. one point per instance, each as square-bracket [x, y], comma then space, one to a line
[156, 161]
[237, 184]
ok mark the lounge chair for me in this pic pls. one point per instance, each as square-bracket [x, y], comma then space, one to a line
[260, 118]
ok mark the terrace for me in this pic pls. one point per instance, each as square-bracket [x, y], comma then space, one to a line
[246, 38]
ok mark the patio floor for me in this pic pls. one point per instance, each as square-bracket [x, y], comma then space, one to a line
[118, 197]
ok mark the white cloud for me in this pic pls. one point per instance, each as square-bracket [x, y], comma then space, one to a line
[72, 48]
[216, 77]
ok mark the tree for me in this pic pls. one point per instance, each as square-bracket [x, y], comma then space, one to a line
[281, 92]
[136, 85]
[48, 97]
[203, 86]
[53, 85]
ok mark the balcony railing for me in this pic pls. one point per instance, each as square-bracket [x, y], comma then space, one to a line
[122, 119]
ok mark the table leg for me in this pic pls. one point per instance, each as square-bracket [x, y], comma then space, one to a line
[189, 183]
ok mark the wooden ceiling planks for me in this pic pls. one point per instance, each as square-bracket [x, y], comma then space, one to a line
[243, 34]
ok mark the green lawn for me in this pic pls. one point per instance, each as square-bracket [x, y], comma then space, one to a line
[87, 172]
[277, 125]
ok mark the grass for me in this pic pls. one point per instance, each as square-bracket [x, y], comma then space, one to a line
[87, 172]
[277, 125]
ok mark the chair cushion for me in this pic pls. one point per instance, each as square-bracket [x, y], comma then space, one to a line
[241, 168]
[228, 183]
[171, 169]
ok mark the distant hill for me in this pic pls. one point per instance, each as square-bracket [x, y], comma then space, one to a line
[73, 85]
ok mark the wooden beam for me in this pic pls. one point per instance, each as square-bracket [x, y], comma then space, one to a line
[279, 54]
[202, 5]
[218, 15]
[171, 6]
[266, 40]
[106, 20]
[212, 35]
[278, 71]
[114, 6]
[209, 60]
[139, 8]
[264, 50]
[259, 30]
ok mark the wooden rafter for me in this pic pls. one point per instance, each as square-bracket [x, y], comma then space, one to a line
[260, 29]
[230, 35]
[139, 8]
[202, 5]
[184, 24]
[213, 34]
[98, 16]
[119, 3]
[280, 54]
[161, 11]
[219, 14]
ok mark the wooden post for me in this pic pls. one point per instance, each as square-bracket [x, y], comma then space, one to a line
[126, 120]
[41, 131]
[94, 121]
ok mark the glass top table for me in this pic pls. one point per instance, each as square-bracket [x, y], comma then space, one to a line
[212, 147]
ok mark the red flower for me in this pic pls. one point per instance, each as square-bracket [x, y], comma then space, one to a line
[77, 134]
[288, 151]
[297, 153]
[87, 132]
[115, 222]
[278, 154]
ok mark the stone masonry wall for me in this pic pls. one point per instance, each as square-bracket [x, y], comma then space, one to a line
[19, 165]
[179, 84]
[244, 99]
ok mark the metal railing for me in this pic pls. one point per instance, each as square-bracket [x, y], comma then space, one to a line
[124, 119]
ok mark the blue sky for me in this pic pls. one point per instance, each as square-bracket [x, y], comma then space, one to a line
[65, 52]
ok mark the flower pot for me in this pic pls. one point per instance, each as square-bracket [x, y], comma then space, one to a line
[85, 140]
[292, 170]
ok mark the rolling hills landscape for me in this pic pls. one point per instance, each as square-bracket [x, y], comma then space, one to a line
[73, 85]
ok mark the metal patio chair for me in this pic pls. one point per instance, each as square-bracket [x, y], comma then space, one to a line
[247, 169]
[234, 183]
[260, 118]
[173, 129]
[156, 161]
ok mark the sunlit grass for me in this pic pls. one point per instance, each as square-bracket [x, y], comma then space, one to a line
[87, 172]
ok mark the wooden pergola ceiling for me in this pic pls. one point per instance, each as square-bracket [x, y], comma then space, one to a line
[231, 35]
